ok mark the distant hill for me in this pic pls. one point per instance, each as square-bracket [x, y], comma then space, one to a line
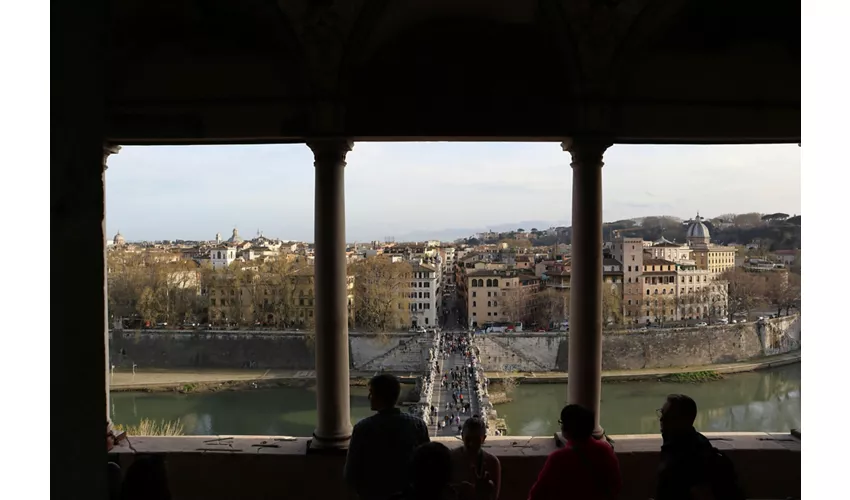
[452, 234]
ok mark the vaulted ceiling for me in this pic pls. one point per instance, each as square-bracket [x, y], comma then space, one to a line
[654, 71]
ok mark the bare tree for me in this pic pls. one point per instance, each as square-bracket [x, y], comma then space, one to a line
[516, 304]
[782, 290]
[744, 293]
[381, 293]
[552, 306]
[612, 305]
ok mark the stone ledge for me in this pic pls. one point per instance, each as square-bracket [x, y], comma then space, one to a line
[260, 467]
[498, 445]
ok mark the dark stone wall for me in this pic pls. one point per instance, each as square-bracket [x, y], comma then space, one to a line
[211, 350]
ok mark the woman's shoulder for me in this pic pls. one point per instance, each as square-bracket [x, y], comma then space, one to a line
[489, 457]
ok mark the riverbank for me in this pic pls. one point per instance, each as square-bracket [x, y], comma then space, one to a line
[192, 381]
[685, 373]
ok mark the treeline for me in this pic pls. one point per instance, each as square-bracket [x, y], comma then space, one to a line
[154, 288]
[748, 290]
[775, 231]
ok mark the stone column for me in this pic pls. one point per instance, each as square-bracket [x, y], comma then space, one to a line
[108, 149]
[333, 404]
[585, 348]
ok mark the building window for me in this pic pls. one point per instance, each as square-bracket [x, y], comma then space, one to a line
[495, 304]
[473, 294]
[495, 282]
[489, 304]
[647, 292]
[473, 303]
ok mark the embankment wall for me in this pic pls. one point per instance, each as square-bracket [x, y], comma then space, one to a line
[621, 350]
[261, 350]
[654, 348]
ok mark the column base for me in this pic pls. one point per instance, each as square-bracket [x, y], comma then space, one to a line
[332, 445]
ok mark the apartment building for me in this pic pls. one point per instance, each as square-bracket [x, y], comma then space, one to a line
[424, 295]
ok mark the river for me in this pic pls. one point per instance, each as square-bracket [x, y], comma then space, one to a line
[767, 400]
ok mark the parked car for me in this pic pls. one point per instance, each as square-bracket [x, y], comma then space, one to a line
[703, 323]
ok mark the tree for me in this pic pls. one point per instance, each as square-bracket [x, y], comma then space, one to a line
[782, 290]
[381, 293]
[280, 281]
[612, 305]
[751, 219]
[779, 216]
[552, 306]
[515, 305]
[745, 291]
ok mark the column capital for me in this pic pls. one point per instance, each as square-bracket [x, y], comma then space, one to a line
[109, 149]
[586, 151]
[331, 151]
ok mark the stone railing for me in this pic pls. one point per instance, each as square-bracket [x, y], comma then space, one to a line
[258, 467]
[425, 384]
[485, 408]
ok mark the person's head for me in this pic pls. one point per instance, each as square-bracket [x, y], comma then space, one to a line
[384, 390]
[473, 433]
[677, 414]
[146, 479]
[577, 422]
[431, 469]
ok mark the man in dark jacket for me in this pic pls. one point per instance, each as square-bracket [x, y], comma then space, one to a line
[686, 470]
[377, 466]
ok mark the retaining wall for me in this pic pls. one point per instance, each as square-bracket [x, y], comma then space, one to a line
[261, 350]
[654, 348]
[627, 350]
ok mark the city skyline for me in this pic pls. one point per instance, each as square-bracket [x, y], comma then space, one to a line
[194, 192]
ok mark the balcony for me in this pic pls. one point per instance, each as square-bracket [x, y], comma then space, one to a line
[769, 465]
[581, 75]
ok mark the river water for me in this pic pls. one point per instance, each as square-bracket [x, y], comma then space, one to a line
[767, 400]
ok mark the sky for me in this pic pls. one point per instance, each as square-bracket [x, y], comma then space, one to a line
[438, 190]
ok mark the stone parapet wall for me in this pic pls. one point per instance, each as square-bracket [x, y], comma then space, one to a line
[768, 465]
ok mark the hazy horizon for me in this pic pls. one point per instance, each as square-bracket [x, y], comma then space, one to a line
[450, 190]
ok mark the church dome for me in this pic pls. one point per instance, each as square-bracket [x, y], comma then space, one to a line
[697, 229]
[235, 238]
[118, 239]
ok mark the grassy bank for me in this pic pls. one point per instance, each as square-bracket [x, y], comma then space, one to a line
[692, 377]
[149, 427]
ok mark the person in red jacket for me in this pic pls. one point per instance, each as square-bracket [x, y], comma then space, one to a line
[585, 469]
